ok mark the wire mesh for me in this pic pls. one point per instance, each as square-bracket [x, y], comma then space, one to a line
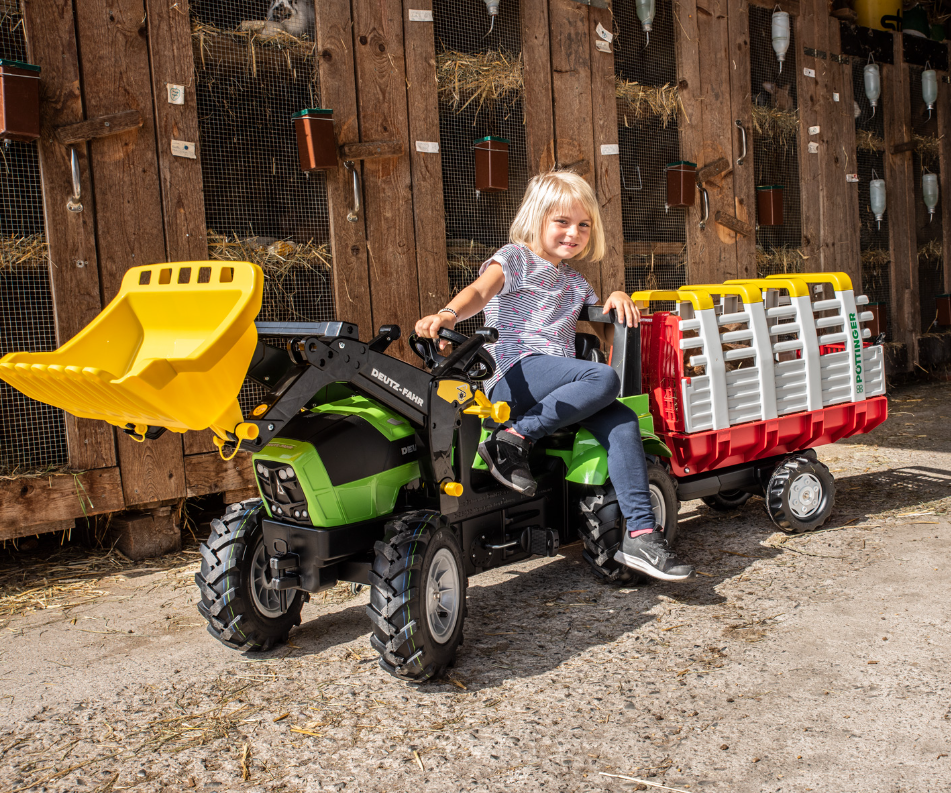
[32, 435]
[870, 163]
[259, 205]
[480, 94]
[928, 230]
[655, 250]
[776, 144]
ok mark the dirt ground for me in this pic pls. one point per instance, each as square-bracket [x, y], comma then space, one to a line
[811, 662]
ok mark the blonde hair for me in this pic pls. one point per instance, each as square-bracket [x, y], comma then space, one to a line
[551, 193]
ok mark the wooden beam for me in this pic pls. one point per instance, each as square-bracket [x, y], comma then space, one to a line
[714, 169]
[808, 93]
[607, 167]
[904, 146]
[429, 209]
[15, 532]
[791, 7]
[208, 473]
[743, 216]
[74, 271]
[113, 39]
[338, 91]
[45, 499]
[944, 178]
[377, 150]
[641, 248]
[537, 98]
[101, 127]
[568, 30]
[391, 238]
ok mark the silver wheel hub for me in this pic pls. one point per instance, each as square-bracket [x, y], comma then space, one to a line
[443, 595]
[658, 505]
[266, 600]
[805, 495]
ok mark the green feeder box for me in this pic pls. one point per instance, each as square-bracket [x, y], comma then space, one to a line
[491, 164]
[681, 184]
[316, 144]
[19, 100]
[769, 205]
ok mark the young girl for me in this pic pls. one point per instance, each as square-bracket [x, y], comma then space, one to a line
[533, 298]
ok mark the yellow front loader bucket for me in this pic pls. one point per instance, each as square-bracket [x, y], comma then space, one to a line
[171, 350]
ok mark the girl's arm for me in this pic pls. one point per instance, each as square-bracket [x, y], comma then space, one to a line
[627, 313]
[469, 302]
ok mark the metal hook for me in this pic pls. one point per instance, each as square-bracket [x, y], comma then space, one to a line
[706, 208]
[639, 180]
[739, 124]
[354, 215]
[74, 204]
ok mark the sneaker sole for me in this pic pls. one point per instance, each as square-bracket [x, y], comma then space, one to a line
[642, 567]
[487, 459]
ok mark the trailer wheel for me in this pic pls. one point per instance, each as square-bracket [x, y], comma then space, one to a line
[417, 596]
[243, 612]
[727, 500]
[602, 524]
[801, 494]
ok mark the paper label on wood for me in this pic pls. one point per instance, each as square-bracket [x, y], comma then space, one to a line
[809, 72]
[184, 148]
[427, 146]
[851, 177]
[813, 148]
[835, 97]
[603, 46]
[610, 148]
[420, 16]
[176, 94]
[605, 34]
[813, 130]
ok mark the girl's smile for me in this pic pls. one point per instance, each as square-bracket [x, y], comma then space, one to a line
[564, 235]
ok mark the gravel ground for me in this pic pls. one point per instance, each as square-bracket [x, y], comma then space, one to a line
[792, 663]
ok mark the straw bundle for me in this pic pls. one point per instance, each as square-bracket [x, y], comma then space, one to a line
[784, 259]
[866, 140]
[930, 251]
[780, 126]
[638, 102]
[260, 46]
[928, 149]
[464, 78]
[28, 251]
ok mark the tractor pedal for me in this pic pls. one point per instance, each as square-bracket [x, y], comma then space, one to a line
[543, 542]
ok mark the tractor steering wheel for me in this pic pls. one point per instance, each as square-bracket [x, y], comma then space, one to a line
[472, 358]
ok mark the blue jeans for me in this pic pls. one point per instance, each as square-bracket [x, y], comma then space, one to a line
[548, 392]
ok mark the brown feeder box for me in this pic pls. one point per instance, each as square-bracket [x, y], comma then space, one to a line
[879, 319]
[943, 304]
[491, 164]
[19, 100]
[681, 184]
[769, 205]
[316, 144]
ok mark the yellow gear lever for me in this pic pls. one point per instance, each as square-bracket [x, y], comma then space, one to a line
[484, 409]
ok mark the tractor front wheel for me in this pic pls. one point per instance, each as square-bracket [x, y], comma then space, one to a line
[417, 596]
[602, 524]
[800, 494]
[242, 610]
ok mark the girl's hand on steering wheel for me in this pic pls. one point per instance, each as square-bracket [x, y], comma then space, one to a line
[428, 327]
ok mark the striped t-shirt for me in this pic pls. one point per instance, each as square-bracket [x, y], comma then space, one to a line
[537, 310]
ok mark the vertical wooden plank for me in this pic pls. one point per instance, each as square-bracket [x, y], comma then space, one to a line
[183, 200]
[129, 219]
[429, 211]
[335, 66]
[944, 201]
[381, 73]
[807, 89]
[744, 181]
[719, 260]
[607, 167]
[74, 271]
[899, 185]
[571, 91]
[537, 97]
[690, 90]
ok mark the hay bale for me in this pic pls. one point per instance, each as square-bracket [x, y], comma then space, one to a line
[637, 102]
[780, 126]
[482, 77]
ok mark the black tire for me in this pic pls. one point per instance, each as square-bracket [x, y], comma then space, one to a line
[801, 494]
[420, 557]
[602, 524]
[727, 500]
[242, 612]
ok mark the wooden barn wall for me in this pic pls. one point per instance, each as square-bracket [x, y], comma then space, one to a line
[377, 71]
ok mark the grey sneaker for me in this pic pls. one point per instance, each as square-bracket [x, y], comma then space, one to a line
[650, 554]
[506, 455]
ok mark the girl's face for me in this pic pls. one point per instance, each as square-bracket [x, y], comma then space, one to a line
[564, 234]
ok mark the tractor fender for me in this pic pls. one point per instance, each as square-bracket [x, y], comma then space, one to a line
[588, 462]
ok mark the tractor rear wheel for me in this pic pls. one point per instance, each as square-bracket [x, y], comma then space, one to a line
[243, 612]
[602, 524]
[800, 494]
[727, 500]
[417, 596]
